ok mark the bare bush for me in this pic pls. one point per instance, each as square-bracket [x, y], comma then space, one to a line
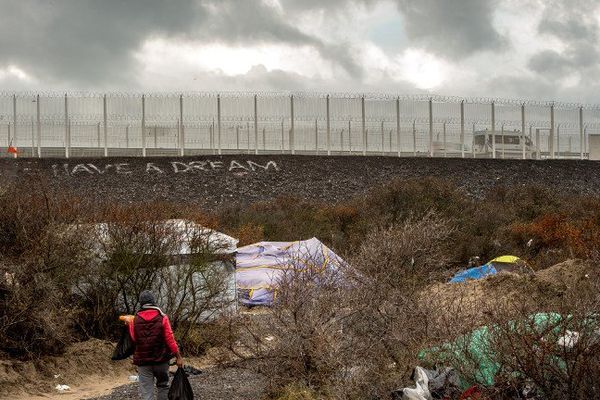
[349, 333]
[522, 349]
[40, 260]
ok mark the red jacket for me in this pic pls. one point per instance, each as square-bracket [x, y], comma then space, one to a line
[167, 332]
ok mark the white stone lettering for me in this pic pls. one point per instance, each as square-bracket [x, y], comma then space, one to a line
[236, 165]
[123, 169]
[81, 168]
[198, 165]
[269, 164]
[100, 171]
[179, 166]
[151, 167]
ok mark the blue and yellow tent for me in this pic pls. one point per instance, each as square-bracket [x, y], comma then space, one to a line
[498, 264]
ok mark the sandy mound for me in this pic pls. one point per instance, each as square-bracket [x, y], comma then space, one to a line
[81, 360]
[545, 289]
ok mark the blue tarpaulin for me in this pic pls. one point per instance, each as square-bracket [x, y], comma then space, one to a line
[474, 273]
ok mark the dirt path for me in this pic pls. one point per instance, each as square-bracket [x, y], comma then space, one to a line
[92, 387]
[213, 384]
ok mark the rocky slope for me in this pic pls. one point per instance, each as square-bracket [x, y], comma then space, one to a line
[215, 181]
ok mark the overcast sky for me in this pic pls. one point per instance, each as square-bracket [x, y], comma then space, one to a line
[540, 49]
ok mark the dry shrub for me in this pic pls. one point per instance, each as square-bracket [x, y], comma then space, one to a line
[350, 333]
[249, 233]
[40, 260]
[544, 343]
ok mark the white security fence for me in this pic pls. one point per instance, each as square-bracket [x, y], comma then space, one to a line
[84, 124]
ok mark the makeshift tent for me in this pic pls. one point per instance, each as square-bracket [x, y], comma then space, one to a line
[260, 266]
[498, 264]
[179, 240]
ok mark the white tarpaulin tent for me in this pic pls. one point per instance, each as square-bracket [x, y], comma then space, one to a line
[259, 266]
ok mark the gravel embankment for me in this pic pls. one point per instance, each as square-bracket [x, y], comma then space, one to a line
[216, 181]
[212, 384]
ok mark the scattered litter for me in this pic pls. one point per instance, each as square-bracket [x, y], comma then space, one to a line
[569, 339]
[134, 378]
[420, 392]
[62, 388]
[431, 384]
[269, 338]
[56, 376]
[189, 370]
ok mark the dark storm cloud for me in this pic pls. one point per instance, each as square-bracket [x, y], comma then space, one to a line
[83, 41]
[92, 42]
[573, 23]
[254, 22]
[453, 29]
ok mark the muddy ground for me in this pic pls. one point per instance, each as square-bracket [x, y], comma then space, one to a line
[215, 181]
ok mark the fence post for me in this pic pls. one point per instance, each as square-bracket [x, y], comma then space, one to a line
[523, 130]
[219, 123]
[104, 117]
[414, 132]
[127, 136]
[328, 126]
[503, 144]
[398, 147]
[255, 124]
[248, 137]
[581, 133]
[537, 144]
[349, 137]
[282, 136]
[430, 127]
[316, 136]
[98, 138]
[382, 139]
[182, 126]
[143, 125]
[14, 134]
[292, 133]
[444, 137]
[39, 127]
[493, 130]
[558, 141]
[67, 123]
[32, 138]
[551, 141]
[364, 131]
[342, 141]
[264, 141]
[211, 136]
[462, 129]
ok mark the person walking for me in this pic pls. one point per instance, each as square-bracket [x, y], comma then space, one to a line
[155, 345]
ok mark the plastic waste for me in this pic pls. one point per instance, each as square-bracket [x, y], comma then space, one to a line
[180, 387]
[134, 378]
[62, 388]
[125, 346]
[421, 391]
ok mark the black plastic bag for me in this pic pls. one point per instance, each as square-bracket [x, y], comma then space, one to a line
[125, 347]
[180, 387]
